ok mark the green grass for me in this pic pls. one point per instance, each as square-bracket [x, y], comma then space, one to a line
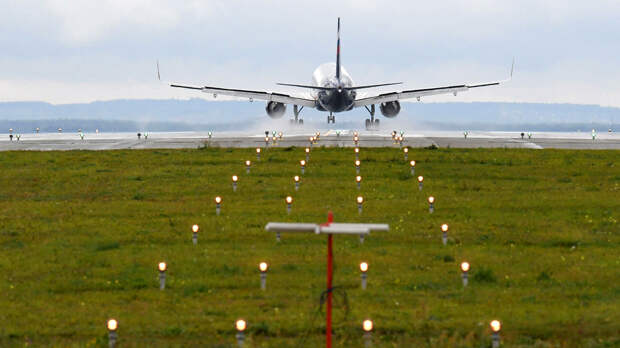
[81, 234]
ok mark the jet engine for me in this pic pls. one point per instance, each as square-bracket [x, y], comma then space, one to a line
[390, 109]
[275, 109]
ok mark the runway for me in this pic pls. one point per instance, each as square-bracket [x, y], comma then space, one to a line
[328, 137]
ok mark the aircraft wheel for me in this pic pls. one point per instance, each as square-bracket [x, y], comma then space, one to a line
[368, 125]
[301, 121]
[377, 124]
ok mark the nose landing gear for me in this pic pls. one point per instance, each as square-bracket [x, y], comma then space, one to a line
[331, 118]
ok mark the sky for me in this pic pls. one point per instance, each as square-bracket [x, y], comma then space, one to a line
[62, 51]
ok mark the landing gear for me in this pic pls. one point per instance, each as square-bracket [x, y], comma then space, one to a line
[298, 120]
[331, 118]
[371, 123]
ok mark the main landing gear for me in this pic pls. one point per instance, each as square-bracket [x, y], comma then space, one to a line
[298, 120]
[372, 123]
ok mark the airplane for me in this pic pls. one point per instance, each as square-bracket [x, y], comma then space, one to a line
[333, 90]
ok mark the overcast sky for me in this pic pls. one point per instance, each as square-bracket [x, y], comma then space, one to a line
[64, 51]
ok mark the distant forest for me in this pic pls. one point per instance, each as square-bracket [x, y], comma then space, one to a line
[200, 114]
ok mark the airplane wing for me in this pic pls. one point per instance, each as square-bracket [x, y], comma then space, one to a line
[417, 93]
[251, 95]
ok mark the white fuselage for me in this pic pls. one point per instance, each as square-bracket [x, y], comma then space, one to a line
[338, 99]
[325, 76]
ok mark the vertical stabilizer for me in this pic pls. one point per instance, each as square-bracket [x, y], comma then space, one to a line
[338, 54]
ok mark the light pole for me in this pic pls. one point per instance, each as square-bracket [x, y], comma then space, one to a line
[444, 234]
[496, 326]
[195, 229]
[218, 205]
[248, 163]
[464, 270]
[364, 270]
[360, 201]
[431, 204]
[234, 182]
[112, 336]
[263, 267]
[303, 166]
[162, 275]
[240, 325]
[289, 203]
[367, 326]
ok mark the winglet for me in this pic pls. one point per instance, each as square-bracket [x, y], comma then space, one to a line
[512, 68]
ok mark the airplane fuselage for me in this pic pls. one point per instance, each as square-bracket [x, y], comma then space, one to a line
[336, 99]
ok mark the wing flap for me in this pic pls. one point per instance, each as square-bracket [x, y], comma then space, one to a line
[258, 95]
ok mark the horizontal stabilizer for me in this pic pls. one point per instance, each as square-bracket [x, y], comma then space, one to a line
[347, 88]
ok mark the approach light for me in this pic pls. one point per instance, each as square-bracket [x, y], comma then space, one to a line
[258, 150]
[406, 150]
[357, 150]
[195, 229]
[496, 325]
[240, 325]
[218, 200]
[464, 275]
[248, 163]
[289, 199]
[444, 228]
[162, 266]
[412, 163]
[431, 199]
[235, 178]
[364, 267]
[302, 162]
[420, 178]
[296, 178]
[357, 163]
[358, 179]
[112, 324]
[367, 325]
[465, 266]
[360, 199]
[307, 150]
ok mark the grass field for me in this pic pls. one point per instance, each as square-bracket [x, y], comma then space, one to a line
[81, 234]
